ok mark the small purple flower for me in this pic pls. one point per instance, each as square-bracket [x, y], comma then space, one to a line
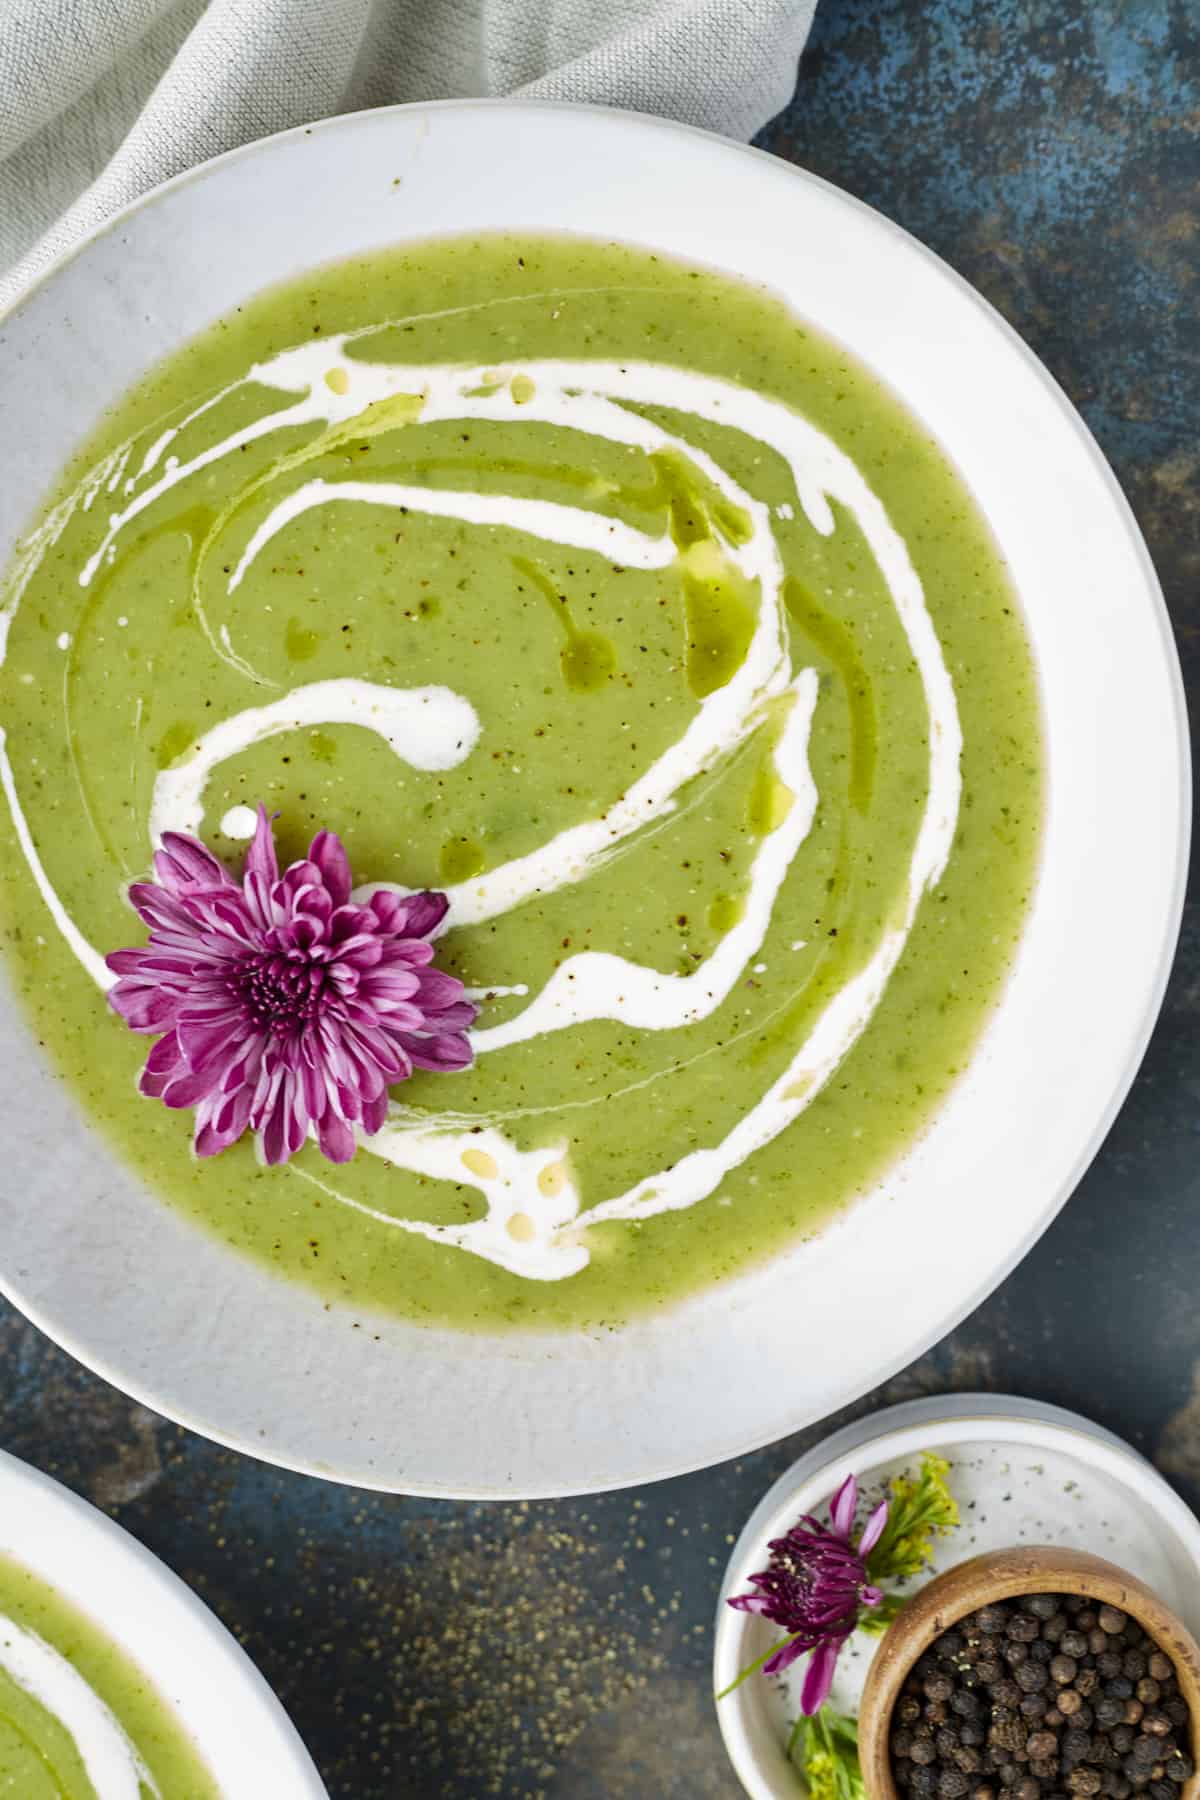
[283, 1005]
[813, 1587]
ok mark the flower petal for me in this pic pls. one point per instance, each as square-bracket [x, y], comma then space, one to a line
[421, 914]
[842, 1508]
[818, 1677]
[872, 1531]
[261, 860]
[329, 854]
[336, 1138]
[785, 1656]
[751, 1603]
[184, 863]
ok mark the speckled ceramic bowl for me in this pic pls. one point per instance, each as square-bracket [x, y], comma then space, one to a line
[214, 1693]
[1023, 1473]
[231, 1349]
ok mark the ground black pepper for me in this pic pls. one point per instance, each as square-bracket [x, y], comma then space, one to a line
[1045, 1698]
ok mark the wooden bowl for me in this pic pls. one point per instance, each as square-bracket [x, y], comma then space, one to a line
[1003, 1575]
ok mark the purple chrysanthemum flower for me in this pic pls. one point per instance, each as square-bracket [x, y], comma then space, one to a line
[283, 1005]
[813, 1587]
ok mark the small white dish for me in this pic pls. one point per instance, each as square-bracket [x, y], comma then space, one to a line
[219, 1699]
[197, 1332]
[1023, 1473]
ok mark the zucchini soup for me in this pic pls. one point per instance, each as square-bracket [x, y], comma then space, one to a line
[78, 1719]
[607, 597]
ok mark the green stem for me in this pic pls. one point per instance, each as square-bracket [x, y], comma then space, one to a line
[764, 1658]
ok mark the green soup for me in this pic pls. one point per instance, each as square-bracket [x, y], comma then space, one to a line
[611, 598]
[78, 1719]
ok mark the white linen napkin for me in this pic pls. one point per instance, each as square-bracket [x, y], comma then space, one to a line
[101, 99]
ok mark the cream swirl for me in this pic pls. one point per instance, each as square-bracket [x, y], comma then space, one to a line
[114, 1768]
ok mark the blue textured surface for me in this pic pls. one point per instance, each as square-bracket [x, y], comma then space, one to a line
[1050, 150]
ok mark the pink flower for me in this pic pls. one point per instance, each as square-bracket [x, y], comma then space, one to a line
[813, 1587]
[281, 1004]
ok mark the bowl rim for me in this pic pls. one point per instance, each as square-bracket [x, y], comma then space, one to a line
[732, 1442]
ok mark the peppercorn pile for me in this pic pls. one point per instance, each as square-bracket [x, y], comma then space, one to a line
[1042, 1698]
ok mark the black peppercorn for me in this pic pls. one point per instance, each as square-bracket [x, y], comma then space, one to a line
[1046, 1698]
[1008, 1734]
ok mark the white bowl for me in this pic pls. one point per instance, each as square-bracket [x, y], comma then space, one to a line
[217, 1696]
[227, 1348]
[1022, 1473]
